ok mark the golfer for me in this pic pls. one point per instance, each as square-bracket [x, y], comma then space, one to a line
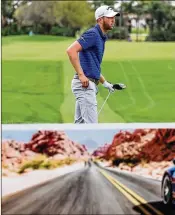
[86, 55]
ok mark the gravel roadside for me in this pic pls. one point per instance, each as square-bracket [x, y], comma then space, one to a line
[14, 184]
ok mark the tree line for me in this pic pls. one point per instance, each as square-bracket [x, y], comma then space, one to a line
[67, 18]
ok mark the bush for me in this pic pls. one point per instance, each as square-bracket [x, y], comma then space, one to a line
[42, 162]
[25, 30]
[128, 161]
[118, 33]
[162, 35]
[13, 29]
[38, 29]
[170, 34]
[144, 162]
[59, 31]
[156, 35]
[5, 31]
[34, 164]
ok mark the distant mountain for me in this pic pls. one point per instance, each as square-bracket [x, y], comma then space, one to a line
[90, 144]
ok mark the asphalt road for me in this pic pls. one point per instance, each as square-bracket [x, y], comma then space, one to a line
[90, 191]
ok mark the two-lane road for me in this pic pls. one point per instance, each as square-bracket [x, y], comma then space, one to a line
[89, 191]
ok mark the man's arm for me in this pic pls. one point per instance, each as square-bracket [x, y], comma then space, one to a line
[72, 52]
[102, 79]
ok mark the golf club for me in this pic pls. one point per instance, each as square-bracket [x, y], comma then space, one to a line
[118, 86]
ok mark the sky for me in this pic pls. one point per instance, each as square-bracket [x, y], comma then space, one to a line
[92, 138]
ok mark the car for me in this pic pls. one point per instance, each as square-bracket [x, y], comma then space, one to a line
[168, 186]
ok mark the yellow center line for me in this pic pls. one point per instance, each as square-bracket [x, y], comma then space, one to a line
[143, 201]
[125, 190]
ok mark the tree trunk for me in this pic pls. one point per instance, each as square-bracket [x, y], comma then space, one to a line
[137, 32]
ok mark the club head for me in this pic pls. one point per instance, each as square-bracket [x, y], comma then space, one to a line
[119, 86]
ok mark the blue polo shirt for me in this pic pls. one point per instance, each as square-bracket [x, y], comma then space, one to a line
[93, 44]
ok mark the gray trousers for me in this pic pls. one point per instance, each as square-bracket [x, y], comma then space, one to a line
[86, 102]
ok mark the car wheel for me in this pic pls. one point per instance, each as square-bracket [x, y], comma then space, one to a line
[167, 190]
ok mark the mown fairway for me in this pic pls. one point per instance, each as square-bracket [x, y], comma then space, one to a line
[36, 81]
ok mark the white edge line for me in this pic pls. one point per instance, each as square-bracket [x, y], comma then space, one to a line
[106, 126]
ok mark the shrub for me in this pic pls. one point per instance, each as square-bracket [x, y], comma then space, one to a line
[5, 31]
[34, 164]
[42, 162]
[60, 31]
[144, 162]
[156, 35]
[13, 29]
[162, 35]
[39, 29]
[118, 33]
[128, 161]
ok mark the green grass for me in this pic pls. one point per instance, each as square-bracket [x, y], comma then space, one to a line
[36, 38]
[140, 31]
[36, 80]
[32, 91]
[141, 37]
[150, 90]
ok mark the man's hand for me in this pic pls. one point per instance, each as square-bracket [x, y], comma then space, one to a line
[108, 86]
[84, 80]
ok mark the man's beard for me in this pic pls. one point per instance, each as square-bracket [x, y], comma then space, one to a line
[107, 26]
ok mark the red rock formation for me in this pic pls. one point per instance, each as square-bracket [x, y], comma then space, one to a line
[145, 151]
[126, 144]
[14, 153]
[54, 144]
[161, 147]
[101, 151]
[149, 144]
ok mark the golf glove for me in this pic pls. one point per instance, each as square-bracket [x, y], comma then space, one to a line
[108, 86]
